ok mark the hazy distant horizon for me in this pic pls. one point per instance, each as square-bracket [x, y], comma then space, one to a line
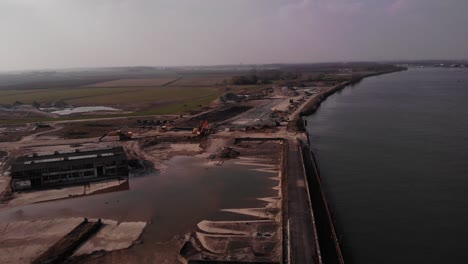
[403, 61]
[64, 34]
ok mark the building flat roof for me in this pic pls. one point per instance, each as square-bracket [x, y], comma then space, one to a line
[76, 156]
[76, 153]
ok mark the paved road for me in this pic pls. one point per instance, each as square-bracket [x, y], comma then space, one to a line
[301, 228]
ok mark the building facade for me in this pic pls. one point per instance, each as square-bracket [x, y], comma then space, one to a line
[78, 167]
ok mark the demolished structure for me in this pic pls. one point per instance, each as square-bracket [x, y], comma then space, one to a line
[42, 171]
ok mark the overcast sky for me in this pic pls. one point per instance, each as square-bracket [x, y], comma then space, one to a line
[38, 34]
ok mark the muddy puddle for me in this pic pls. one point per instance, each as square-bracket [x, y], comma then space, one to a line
[172, 202]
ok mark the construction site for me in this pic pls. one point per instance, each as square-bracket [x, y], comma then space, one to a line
[235, 183]
[36, 172]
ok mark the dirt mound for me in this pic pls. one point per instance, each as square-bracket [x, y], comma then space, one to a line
[17, 103]
[59, 104]
[216, 103]
[217, 115]
[231, 97]
[228, 153]
[22, 111]
[225, 153]
[285, 91]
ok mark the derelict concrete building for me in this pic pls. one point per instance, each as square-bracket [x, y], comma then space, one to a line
[42, 171]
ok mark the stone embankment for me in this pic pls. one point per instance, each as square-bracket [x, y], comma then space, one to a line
[298, 123]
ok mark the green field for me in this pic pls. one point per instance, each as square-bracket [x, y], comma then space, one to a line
[144, 82]
[148, 91]
[135, 101]
[192, 81]
[120, 96]
[107, 96]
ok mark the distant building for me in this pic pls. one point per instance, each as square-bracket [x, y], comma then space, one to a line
[78, 167]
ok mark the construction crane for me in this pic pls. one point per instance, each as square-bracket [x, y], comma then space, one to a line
[122, 135]
[203, 129]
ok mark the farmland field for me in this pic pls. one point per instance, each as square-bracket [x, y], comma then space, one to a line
[135, 82]
[151, 95]
[108, 96]
[200, 81]
[133, 101]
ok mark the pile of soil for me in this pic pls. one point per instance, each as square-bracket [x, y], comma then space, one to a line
[226, 153]
[231, 97]
[218, 115]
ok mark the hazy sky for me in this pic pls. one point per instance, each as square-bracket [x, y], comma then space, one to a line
[38, 34]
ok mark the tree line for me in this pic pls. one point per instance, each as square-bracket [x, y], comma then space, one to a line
[263, 77]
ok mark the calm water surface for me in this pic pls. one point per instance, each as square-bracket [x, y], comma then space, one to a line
[173, 202]
[393, 156]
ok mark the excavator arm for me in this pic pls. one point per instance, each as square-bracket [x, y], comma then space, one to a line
[103, 136]
[122, 135]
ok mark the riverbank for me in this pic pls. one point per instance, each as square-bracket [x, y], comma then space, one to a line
[272, 169]
[391, 155]
[326, 238]
[297, 123]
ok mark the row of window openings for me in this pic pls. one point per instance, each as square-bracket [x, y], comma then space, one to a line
[74, 175]
[69, 175]
[49, 170]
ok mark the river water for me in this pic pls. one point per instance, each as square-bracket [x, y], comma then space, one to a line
[392, 152]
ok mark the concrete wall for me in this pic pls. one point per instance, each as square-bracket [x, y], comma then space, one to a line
[329, 244]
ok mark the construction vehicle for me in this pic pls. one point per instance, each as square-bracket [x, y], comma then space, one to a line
[121, 134]
[203, 129]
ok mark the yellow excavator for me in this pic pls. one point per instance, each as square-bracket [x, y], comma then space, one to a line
[121, 134]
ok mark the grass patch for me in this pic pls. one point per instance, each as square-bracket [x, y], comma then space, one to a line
[191, 81]
[106, 96]
[148, 100]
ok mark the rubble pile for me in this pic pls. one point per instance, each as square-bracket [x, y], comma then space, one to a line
[225, 153]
